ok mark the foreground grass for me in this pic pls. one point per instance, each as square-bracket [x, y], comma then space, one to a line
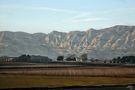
[27, 81]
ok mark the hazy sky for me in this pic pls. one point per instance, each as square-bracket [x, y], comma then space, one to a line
[64, 15]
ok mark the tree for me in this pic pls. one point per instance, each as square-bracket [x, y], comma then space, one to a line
[60, 58]
[84, 57]
[125, 59]
[23, 58]
[71, 58]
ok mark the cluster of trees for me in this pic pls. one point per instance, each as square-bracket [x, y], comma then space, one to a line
[26, 58]
[5, 59]
[83, 57]
[32, 58]
[22, 58]
[60, 58]
[73, 57]
[124, 59]
[69, 58]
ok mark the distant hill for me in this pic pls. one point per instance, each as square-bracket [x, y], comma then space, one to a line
[105, 43]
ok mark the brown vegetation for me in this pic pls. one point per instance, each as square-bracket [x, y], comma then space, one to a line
[59, 76]
[73, 71]
[27, 81]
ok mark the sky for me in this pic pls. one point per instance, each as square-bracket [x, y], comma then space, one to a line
[45, 16]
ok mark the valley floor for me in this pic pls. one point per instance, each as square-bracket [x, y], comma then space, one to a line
[28, 81]
[65, 76]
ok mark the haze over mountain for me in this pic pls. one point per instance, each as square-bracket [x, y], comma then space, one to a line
[105, 43]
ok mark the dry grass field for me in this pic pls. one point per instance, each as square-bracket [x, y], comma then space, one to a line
[73, 71]
[27, 81]
[42, 76]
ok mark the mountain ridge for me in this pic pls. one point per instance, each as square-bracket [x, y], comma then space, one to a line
[104, 43]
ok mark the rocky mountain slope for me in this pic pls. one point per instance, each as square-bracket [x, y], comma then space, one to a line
[102, 44]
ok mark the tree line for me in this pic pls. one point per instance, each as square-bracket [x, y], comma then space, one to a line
[82, 58]
[26, 58]
[125, 59]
